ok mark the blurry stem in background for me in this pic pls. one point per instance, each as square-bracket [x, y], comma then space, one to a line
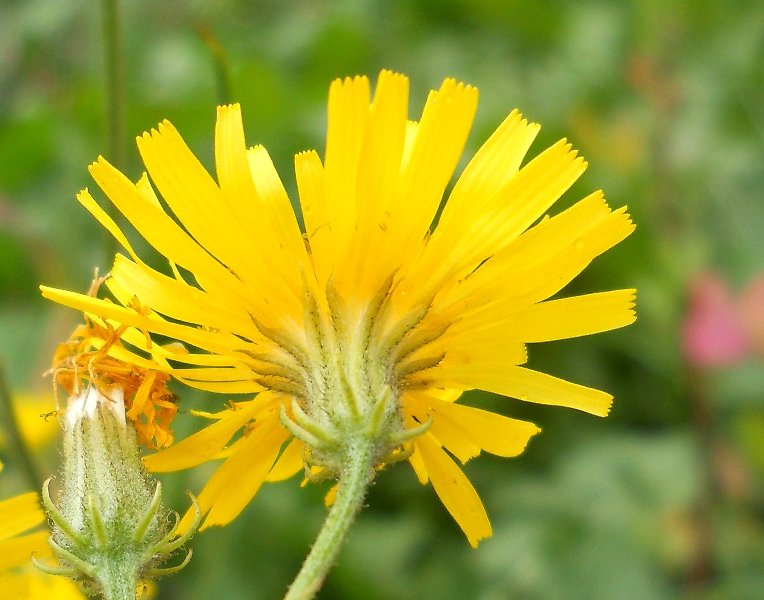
[114, 80]
[220, 65]
[15, 440]
[659, 86]
[702, 567]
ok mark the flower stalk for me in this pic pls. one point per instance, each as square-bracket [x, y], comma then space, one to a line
[356, 475]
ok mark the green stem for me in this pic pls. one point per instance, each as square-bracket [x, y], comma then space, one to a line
[220, 66]
[118, 581]
[114, 78]
[15, 440]
[357, 473]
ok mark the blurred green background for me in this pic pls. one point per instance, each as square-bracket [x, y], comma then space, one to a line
[663, 499]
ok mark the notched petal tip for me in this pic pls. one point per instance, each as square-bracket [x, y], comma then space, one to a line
[165, 127]
[607, 406]
[84, 195]
[388, 73]
[348, 81]
[145, 137]
[99, 163]
[233, 106]
[475, 541]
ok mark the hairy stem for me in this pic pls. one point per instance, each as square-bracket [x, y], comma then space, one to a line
[357, 473]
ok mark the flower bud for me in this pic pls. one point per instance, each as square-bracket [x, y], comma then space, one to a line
[110, 529]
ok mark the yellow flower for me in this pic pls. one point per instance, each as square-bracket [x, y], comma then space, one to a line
[18, 579]
[370, 321]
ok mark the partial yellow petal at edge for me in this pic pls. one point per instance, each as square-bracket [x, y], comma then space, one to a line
[454, 490]
[19, 513]
[18, 551]
[289, 463]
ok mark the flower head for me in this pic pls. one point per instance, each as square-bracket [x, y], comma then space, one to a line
[369, 321]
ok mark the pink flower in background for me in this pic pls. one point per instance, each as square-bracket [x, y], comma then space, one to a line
[752, 313]
[714, 329]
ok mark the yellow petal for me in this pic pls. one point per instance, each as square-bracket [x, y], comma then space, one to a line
[253, 192]
[454, 490]
[491, 432]
[572, 317]
[106, 221]
[213, 374]
[310, 185]
[415, 459]
[380, 161]
[348, 111]
[204, 445]
[143, 185]
[475, 341]
[183, 302]
[441, 135]
[528, 385]
[231, 163]
[193, 195]
[18, 551]
[588, 218]
[537, 265]
[366, 264]
[331, 495]
[289, 463]
[18, 585]
[200, 206]
[504, 328]
[180, 355]
[445, 431]
[494, 164]
[225, 387]
[519, 203]
[412, 129]
[237, 480]
[212, 341]
[157, 228]
[19, 513]
[42, 587]
[501, 219]
[280, 215]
